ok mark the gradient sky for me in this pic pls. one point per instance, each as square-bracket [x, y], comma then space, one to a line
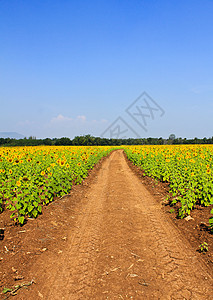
[71, 68]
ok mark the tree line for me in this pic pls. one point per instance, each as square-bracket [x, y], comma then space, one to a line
[88, 140]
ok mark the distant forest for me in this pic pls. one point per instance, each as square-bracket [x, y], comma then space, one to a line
[88, 140]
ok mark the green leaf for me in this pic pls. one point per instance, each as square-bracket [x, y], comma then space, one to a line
[6, 290]
[22, 212]
[21, 219]
[18, 206]
[35, 213]
[13, 215]
[25, 206]
[35, 203]
[30, 208]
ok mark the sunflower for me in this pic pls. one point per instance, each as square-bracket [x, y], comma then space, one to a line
[18, 183]
[208, 171]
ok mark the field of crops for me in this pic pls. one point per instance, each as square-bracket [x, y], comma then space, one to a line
[187, 169]
[31, 177]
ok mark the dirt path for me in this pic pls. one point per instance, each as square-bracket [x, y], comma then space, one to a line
[121, 247]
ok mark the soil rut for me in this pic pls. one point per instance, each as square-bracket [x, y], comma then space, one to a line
[122, 247]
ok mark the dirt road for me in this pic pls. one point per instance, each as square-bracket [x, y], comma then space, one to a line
[122, 247]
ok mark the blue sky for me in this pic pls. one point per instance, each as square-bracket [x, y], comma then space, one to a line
[71, 68]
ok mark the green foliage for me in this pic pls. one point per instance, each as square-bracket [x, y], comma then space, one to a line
[31, 177]
[204, 247]
[187, 169]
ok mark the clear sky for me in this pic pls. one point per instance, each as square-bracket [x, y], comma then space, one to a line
[71, 68]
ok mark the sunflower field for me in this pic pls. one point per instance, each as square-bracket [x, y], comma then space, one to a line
[31, 177]
[187, 168]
